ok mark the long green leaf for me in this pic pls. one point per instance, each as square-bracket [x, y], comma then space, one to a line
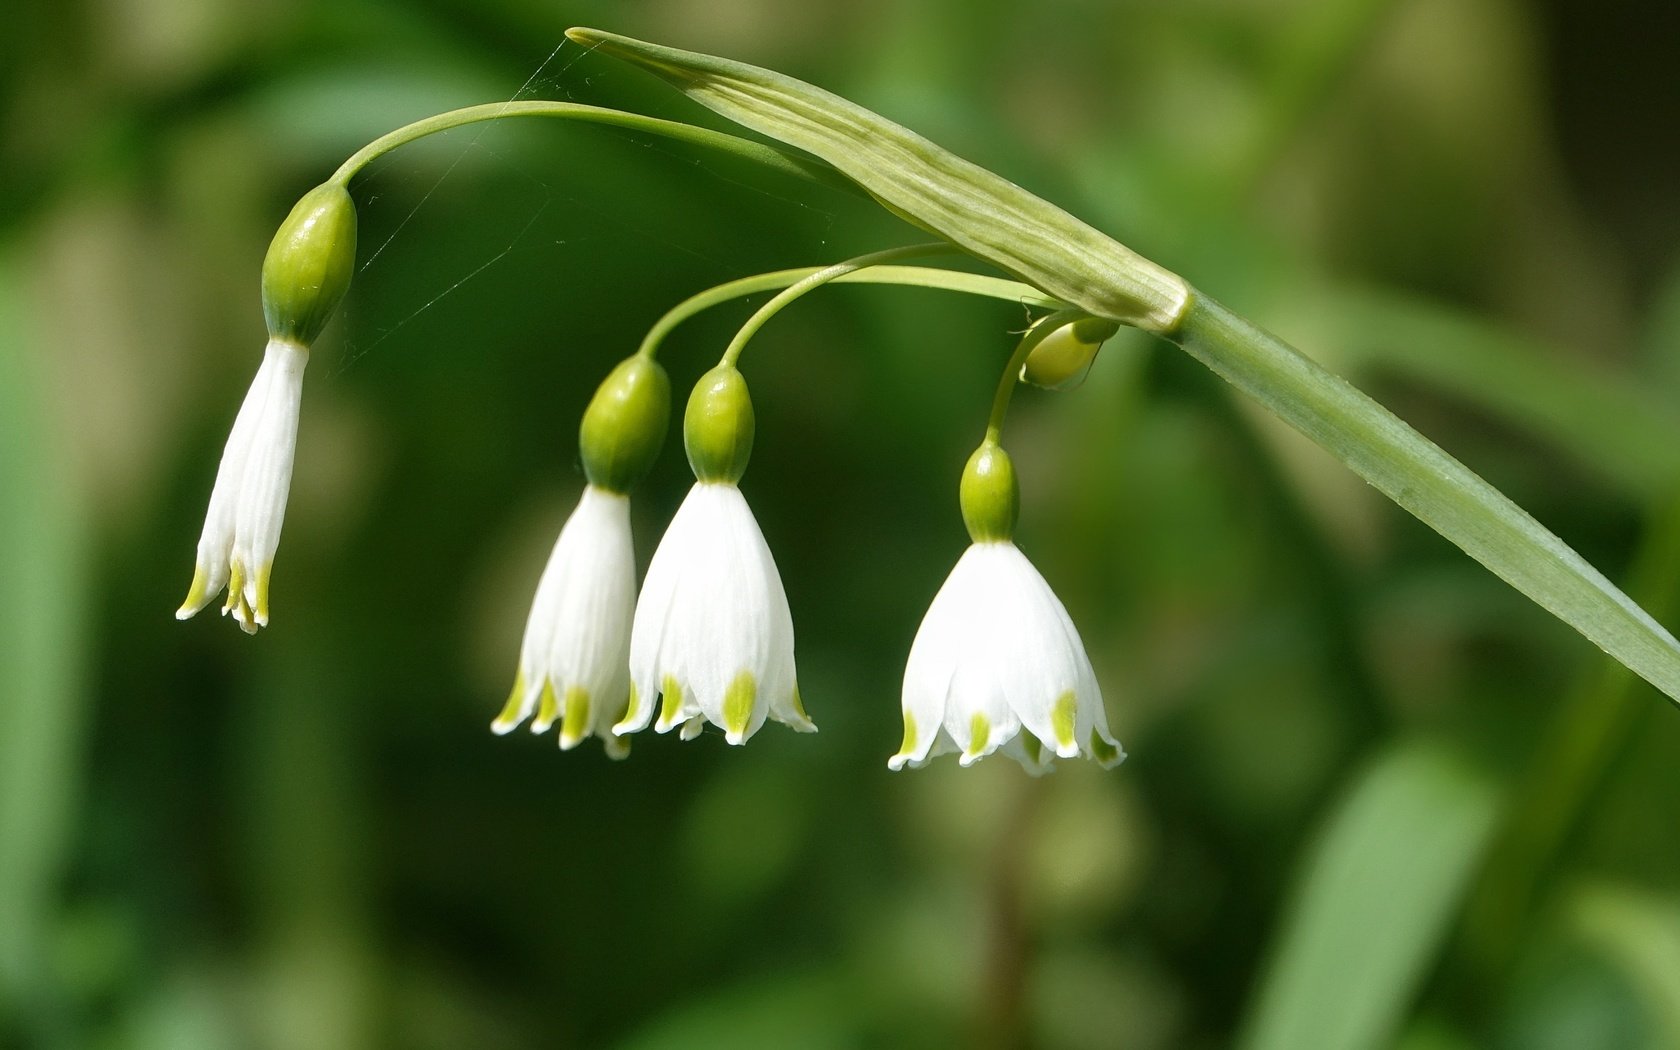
[1442, 492]
[1606, 419]
[1373, 904]
[1639, 933]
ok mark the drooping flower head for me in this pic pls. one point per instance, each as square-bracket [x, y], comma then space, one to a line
[997, 653]
[713, 636]
[305, 274]
[574, 661]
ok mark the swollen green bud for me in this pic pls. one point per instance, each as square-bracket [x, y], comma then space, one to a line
[309, 264]
[1065, 354]
[624, 425]
[718, 426]
[991, 501]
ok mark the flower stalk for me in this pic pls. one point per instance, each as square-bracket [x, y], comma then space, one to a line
[715, 141]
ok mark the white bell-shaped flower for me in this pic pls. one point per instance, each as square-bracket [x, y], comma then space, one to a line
[713, 634]
[304, 275]
[574, 663]
[248, 502]
[995, 654]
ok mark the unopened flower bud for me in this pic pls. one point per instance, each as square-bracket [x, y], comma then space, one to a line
[624, 426]
[718, 426]
[990, 497]
[1062, 357]
[309, 264]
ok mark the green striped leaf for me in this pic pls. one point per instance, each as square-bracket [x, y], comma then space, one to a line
[982, 213]
[1442, 492]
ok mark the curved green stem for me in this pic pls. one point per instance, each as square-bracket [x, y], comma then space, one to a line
[769, 156]
[905, 276]
[1012, 370]
[812, 282]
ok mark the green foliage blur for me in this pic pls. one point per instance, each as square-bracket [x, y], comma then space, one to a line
[1375, 798]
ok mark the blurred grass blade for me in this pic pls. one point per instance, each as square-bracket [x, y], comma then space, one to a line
[1373, 904]
[40, 662]
[1604, 420]
[982, 213]
[1638, 932]
[812, 1011]
[1442, 492]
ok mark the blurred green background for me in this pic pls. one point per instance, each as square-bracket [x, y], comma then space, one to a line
[1375, 798]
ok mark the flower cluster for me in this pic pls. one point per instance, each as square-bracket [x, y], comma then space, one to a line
[710, 637]
[996, 665]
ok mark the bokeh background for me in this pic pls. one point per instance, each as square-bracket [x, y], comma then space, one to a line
[1375, 797]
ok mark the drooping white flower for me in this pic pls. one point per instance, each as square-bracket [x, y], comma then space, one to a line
[248, 502]
[995, 654]
[712, 632]
[305, 274]
[574, 662]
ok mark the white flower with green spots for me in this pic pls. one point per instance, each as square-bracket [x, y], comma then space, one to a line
[304, 275]
[997, 653]
[248, 502]
[574, 662]
[713, 635]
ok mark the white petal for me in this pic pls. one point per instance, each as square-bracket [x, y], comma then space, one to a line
[977, 712]
[977, 716]
[1047, 664]
[1095, 739]
[248, 500]
[215, 543]
[1025, 749]
[1090, 733]
[267, 479]
[651, 621]
[589, 650]
[519, 705]
[780, 688]
[575, 653]
[933, 661]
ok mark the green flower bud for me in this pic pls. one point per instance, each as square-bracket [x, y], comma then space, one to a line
[991, 501]
[309, 264]
[624, 425]
[1065, 354]
[718, 426]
